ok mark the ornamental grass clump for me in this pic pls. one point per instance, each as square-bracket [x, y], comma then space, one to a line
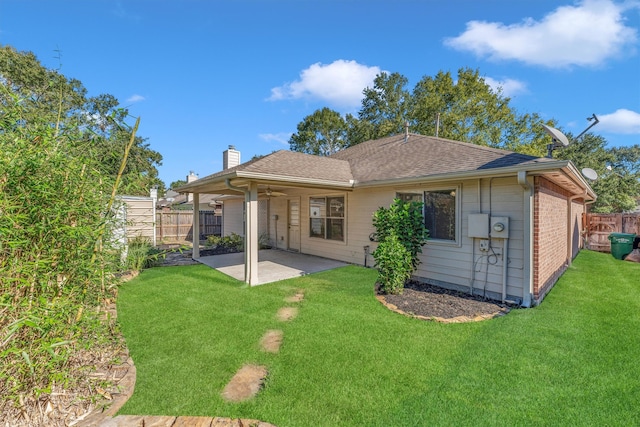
[401, 233]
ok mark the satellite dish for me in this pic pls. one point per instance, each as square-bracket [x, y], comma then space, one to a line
[590, 174]
[559, 139]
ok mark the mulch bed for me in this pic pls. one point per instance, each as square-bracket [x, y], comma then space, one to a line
[178, 256]
[433, 302]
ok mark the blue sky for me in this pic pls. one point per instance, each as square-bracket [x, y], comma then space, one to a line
[203, 75]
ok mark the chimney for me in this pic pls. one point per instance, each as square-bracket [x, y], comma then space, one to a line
[190, 178]
[230, 158]
[406, 131]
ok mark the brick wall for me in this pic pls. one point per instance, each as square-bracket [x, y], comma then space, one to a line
[550, 235]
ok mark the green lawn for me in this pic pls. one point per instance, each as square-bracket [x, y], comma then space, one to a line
[348, 361]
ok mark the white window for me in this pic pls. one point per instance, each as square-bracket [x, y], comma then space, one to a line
[409, 197]
[326, 217]
[441, 213]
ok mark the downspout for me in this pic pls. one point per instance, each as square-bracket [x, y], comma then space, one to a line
[505, 262]
[473, 242]
[527, 291]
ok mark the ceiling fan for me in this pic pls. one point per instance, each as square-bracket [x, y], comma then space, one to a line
[270, 193]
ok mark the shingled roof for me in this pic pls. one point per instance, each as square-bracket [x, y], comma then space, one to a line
[390, 159]
[394, 157]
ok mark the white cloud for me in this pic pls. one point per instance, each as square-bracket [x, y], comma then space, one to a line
[280, 138]
[510, 87]
[136, 98]
[620, 121]
[340, 83]
[586, 34]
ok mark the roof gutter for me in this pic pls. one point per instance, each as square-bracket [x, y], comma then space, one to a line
[227, 183]
[204, 182]
[588, 194]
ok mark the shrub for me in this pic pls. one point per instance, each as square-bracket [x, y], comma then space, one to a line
[56, 263]
[393, 261]
[400, 224]
[404, 219]
[141, 254]
[235, 243]
[232, 242]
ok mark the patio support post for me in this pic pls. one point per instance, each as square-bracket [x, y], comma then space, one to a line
[196, 226]
[251, 236]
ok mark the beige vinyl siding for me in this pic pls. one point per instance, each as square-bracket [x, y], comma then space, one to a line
[454, 264]
[447, 262]
[233, 217]
[444, 262]
[360, 206]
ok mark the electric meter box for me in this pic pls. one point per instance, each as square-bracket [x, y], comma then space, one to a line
[500, 227]
[479, 226]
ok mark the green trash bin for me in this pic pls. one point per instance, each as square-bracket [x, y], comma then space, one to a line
[621, 244]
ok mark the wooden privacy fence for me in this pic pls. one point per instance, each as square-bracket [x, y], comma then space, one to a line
[177, 226]
[597, 228]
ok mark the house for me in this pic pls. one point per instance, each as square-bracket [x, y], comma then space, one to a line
[173, 200]
[502, 224]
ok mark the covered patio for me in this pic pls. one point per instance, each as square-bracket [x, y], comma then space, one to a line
[260, 179]
[273, 265]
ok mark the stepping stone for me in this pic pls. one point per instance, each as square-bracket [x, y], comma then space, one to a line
[238, 422]
[295, 298]
[186, 421]
[139, 420]
[271, 341]
[287, 313]
[245, 384]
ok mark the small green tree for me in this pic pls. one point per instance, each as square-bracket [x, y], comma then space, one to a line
[400, 224]
[393, 261]
[404, 219]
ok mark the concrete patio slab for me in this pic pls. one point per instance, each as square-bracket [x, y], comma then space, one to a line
[273, 265]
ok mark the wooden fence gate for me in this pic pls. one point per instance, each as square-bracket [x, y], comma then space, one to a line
[597, 228]
[177, 226]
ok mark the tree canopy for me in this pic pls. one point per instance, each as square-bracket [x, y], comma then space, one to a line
[465, 108]
[618, 169]
[48, 96]
[323, 133]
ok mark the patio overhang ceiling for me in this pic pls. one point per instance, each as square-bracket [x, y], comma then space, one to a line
[218, 184]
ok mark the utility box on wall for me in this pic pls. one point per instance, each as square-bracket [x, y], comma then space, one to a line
[500, 227]
[479, 226]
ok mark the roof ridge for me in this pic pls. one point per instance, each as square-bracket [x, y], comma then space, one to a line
[466, 144]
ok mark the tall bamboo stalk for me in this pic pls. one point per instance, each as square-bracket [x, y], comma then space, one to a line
[114, 190]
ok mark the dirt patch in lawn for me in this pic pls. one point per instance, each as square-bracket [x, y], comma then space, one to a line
[299, 296]
[287, 313]
[245, 384]
[431, 302]
[271, 341]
